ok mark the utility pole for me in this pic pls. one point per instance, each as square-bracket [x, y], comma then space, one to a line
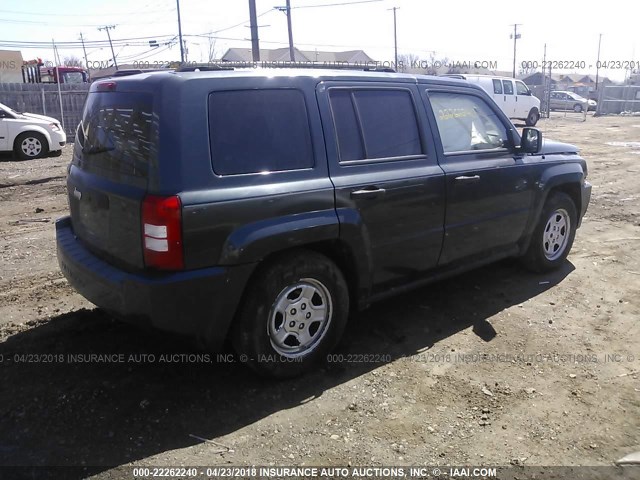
[86, 62]
[113, 54]
[58, 77]
[253, 20]
[287, 11]
[515, 35]
[292, 53]
[598, 62]
[180, 33]
[546, 90]
[395, 35]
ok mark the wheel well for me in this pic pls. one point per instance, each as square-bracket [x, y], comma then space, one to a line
[573, 190]
[32, 132]
[338, 252]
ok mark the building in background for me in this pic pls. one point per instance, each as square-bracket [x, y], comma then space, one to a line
[351, 57]
[10, 66]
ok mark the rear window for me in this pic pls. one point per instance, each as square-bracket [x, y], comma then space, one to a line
[73, 77]
[255, 131]
[117, 136]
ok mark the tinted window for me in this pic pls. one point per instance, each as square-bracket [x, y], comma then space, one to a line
[497, 86]
[521, 89]
[346, 125]
[375, 124]
[117, 136]
[466, 122]
[259, 131]
[508, 87]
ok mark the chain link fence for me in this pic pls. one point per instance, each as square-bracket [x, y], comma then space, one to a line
[45, 99]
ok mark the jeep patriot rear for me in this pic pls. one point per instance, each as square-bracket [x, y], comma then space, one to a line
[263, 205]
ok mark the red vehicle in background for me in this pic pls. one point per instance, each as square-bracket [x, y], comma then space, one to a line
[34, 71]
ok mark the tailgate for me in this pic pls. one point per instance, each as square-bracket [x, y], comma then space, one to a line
[110, 173]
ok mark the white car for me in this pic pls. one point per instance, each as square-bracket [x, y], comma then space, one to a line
[29, 135]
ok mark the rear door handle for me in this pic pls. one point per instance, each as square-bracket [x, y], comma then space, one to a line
[468, 178]
[368, 192]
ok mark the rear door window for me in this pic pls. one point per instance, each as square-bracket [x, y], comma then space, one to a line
[508, 87]
[375, 123]
[497, 86]
[254, 131]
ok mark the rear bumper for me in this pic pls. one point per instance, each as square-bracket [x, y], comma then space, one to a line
[585, 192]
[198, 303]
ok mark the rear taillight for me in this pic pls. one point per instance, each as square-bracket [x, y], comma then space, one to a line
[106, 87]
[162, 232]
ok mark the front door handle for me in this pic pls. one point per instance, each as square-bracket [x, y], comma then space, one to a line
[468, 178]
[368, 192]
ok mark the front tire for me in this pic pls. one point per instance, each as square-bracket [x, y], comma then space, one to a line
[532, 118]
[30, 145]
[293, 313]
[577, 108]
[553, 237]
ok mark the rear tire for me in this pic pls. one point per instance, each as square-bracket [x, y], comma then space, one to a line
[30, 145]
[293, 313]
[532, 118]
[553, 237]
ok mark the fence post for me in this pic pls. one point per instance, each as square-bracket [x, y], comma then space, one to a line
[44, 103]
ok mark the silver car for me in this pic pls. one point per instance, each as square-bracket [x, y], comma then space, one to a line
[561, 100]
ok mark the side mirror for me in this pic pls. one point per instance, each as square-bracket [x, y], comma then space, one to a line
[531, 141]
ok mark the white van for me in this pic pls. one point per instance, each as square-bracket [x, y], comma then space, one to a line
[512, 96]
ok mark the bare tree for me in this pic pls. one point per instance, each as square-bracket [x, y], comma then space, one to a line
[72, 61]
[407, 61]
[526, 70]
[434, 66]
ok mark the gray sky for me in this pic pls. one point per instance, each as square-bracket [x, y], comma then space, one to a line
[460, 30]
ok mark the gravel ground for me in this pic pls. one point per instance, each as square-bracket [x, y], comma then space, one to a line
[496, 367]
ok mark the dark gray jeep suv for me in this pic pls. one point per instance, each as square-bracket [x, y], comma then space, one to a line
[263, 205]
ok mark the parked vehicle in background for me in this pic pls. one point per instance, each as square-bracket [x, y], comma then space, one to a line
[29, 135]
[512, 96]
[588, 92]
[293, 197]
[34, 71]
[564, 100]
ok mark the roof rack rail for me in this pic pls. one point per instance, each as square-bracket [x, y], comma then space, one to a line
[209, 67]
[282, 64]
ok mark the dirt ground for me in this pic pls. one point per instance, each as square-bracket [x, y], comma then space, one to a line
[497, 367]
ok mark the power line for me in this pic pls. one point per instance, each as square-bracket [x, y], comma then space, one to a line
[149, 4]
[241, 23]
[341, 4]
[38, 44]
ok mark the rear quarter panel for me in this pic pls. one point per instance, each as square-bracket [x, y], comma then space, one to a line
[236, 219]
